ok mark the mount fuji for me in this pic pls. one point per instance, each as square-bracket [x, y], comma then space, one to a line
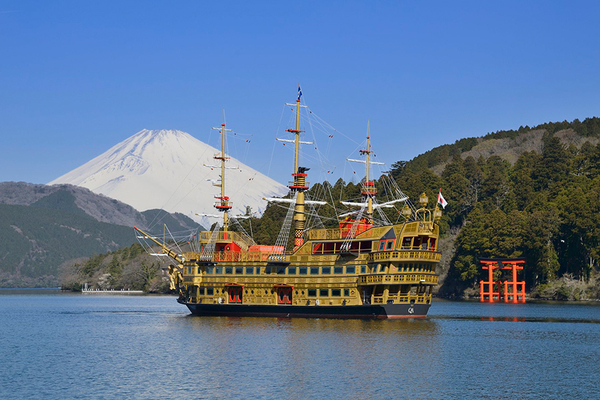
[166, 169]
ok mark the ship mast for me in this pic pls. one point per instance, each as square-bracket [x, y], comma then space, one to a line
[299, 185]
[223, 203]
[369, 190]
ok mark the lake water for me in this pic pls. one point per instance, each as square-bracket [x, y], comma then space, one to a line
[76, 346]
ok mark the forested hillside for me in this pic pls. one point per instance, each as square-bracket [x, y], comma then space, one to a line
[43, 226]
[544, 207]
[129, 268]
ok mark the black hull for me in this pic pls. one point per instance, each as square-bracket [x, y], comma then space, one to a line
[383, 311]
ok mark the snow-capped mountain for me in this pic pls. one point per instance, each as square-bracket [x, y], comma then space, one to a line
[166, 169]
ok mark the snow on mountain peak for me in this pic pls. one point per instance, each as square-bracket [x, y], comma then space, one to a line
[166, 169]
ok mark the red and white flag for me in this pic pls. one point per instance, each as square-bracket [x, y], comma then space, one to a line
[442, 200]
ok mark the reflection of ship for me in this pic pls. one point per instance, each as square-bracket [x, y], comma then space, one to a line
[360, 269]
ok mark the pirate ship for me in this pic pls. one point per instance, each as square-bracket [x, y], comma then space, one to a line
[359, 269]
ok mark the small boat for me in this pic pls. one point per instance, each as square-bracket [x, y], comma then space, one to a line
[360, 269]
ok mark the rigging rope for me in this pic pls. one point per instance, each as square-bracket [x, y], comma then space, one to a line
[350, 235]
[277, 254]
[209, 249]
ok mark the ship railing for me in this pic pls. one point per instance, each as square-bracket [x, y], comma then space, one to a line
[398, 278]
[336, 233]
[233, 256]
[399, 255]
[241, 239]
[419, 227]
[422, 246]
[401, 299]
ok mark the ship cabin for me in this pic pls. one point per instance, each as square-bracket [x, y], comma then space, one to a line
[394, 264]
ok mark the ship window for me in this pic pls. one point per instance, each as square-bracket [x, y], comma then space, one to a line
[303, 270]
[210, 270]
[292, 271]
[336, 292]
[312, 292]
[323, 292]
[235, 294]
[390, 244]
[314, 270]
[346, 292]
[249, 270]
[302, 293]
[381, 267]
[350, 269]
[406, 243]
[381, 245]
[252, 291]
[201, 291]
[363, 269]
[209, 291]
[229, 270]
[280, 270]
[239, 270]
[199, 270]
[189, 270]
[326, 270]
[218, 270]
[267, 270]
[257, 270]
[338, 270]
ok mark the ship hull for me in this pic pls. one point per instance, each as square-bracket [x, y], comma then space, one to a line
[383, 311]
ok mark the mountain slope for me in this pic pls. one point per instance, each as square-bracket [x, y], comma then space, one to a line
[85, 202]
[509, 144]
[37, 240]
[43, 226]
[165, 169]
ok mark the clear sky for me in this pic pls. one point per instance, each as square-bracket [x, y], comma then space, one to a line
[77, 77]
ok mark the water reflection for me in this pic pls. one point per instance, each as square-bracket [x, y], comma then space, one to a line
[518, 319]
[151, 347]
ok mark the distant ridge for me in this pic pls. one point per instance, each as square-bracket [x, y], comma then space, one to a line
[83, 201]
[43, 226]
[509, 144]
[165, 169]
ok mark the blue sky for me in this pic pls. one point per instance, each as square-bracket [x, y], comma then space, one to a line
[78, 77]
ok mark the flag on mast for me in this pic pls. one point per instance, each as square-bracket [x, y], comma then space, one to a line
[299, 92]
[441, 199]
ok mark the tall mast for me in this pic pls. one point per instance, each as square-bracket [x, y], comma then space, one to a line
[223, 203]
[369, 189]
[299, 184]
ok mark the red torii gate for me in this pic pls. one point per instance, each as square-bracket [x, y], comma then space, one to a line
[516, 295]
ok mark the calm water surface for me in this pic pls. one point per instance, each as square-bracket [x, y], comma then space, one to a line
[57, 346]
